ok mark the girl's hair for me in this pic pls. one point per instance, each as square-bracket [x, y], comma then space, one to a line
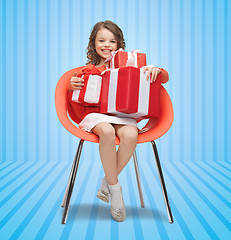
[92, 55]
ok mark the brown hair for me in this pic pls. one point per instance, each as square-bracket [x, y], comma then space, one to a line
[92, 55]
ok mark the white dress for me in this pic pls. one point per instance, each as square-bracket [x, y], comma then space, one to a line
[92, 119]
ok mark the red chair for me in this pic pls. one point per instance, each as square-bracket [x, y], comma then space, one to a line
[157, 128]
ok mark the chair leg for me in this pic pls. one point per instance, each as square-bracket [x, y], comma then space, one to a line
[162, 181]
[68, 184]
[138, 179]
[71, 182]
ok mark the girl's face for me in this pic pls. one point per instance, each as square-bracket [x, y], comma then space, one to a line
[105, 43]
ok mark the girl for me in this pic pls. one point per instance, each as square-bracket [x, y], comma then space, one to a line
[105, 38]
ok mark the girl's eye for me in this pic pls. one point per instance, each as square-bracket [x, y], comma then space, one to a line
[113, 41]
[101, 41]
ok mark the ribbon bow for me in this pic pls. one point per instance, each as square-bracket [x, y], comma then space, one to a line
[89, 70]
[132, 58]
[113, 53]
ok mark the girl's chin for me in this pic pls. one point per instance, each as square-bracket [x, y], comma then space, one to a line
[105, 56]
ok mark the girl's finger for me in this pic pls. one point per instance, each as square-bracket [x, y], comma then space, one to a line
[155, 76]
[145, 69]
[76, 88]
[74, 78]
[148, 75]
[80, 83]
[152, 77]
[77, 84]
[77, 79]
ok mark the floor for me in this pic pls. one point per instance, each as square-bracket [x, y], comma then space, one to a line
[199, 193]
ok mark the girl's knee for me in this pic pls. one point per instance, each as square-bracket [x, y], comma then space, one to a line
[129, 134]
[107, 131]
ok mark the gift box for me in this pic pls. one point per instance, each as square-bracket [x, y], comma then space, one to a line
[121, 59]
[127, 93]
[90, 92]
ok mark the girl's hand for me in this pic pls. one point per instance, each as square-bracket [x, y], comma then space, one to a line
[153, 71]
[75, 83]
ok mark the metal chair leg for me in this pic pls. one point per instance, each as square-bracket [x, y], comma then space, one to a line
[138, 179]
[162, 181]
[71, 182]
[68, 184]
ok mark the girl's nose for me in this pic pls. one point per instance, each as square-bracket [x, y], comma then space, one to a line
[107, 44]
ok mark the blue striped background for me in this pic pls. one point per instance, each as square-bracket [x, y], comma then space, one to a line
[39, 41]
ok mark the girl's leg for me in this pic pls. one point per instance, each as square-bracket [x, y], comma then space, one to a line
[113, 162]
[128, 136]
[107, 150]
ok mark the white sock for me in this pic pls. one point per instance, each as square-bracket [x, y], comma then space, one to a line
[116, 196]
[115, 187]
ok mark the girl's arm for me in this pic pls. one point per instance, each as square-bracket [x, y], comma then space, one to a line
[154, 71]
[165, 76]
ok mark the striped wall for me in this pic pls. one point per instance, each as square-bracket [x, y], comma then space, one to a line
[40, 40]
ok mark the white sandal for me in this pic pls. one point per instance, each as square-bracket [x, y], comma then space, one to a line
[103, 193]
[119, 214]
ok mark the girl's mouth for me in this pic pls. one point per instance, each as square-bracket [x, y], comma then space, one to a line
[106, 50]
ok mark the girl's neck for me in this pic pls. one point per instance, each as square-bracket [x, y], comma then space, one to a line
[102, 63]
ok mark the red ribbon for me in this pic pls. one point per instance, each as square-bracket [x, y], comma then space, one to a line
[89, 70]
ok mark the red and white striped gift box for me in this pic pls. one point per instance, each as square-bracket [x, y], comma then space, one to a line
[120, 58]
[127, 93]
[90, 92]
